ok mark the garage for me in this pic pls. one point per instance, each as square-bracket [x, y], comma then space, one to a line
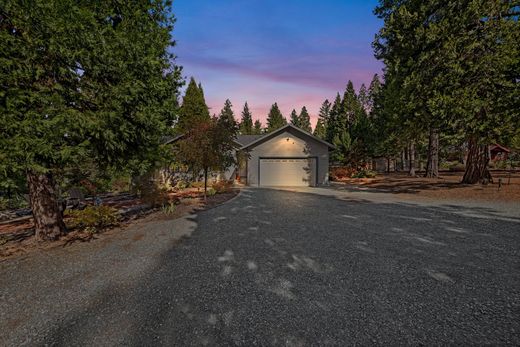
[287, 171]
[287, 156]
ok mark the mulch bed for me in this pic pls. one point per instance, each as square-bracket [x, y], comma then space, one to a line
[447, 186]
[16, 236]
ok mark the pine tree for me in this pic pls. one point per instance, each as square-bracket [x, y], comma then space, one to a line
[350, 104]
[363, 98]
[246, 124]
[319, 130]
[373, 90]
[305, 120]
[456, 67]
[325, 111]
[334, 123]
[194, 109]
[82, 81]
[337, 131]
[226, 117]
[257, 128]
[295, 119]
[275, 119]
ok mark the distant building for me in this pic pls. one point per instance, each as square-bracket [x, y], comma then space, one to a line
[498, 152]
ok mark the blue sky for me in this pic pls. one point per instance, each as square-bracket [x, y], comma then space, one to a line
[293, 52]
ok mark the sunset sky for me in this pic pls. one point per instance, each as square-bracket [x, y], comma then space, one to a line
[294, 52]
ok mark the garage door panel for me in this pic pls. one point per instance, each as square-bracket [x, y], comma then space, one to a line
[287, 172]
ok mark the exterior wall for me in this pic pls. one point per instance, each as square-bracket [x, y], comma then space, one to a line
[298, 146]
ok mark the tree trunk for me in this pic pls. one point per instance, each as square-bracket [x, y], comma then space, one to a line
[411, 159]
[388, 164]
[48, 216]
[403, 159]
[477, 163]
[205, 183]
[432, 165]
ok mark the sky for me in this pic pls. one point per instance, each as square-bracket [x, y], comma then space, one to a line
[293, 52]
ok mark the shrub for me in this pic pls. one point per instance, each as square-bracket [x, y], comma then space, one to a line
[197, 184]
[457, 167]
[222, 186]
[341, 172]
[93, 218]
[211, 192]
[364, 174]
[169, 208]
[182, 185]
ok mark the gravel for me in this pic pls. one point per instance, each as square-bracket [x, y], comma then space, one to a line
[277, 268]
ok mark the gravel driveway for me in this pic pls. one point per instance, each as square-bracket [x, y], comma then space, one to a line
[277, 268]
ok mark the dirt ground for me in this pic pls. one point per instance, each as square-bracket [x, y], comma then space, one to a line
[447, 186]
[186, 206]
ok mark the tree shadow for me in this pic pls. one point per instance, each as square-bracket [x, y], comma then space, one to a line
[364, 271]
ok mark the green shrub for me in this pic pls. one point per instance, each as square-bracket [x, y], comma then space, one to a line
[197, 184]
[169, 208]
[364, 174]
[211, 192]
[182, 185]
[92, 219]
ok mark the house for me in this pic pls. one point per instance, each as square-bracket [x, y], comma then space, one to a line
[498, 152]
[288, 156]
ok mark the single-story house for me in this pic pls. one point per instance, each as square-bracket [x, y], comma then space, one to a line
[498, 152]
[288, 156]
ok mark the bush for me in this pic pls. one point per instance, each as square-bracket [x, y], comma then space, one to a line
[222, 186]
[211, 192]
[92, 219]
[197, 184]
[457, 167]
[341, 172]
[169, 208]
[364, 174]
[182, 185]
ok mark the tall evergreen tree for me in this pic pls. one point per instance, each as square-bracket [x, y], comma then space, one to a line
[325, 111]
[275, 119]
[257, 128]
[373, 91]
[337, 132]
[319, 130]
[324, 115]
[295, 119]
[246, 124]
[305, 120]
[194, 109]
[350, 104]
[363, 98]
[226, 117]
[82, 81]
[457, 68]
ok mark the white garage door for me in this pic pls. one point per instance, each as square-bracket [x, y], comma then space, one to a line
[288, 172]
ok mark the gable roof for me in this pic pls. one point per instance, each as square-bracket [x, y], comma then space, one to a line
[168, 140]
[498, 147]
[245, 140]
[270, 135]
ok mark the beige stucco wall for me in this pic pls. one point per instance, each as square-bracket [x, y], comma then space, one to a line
[299, 145]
